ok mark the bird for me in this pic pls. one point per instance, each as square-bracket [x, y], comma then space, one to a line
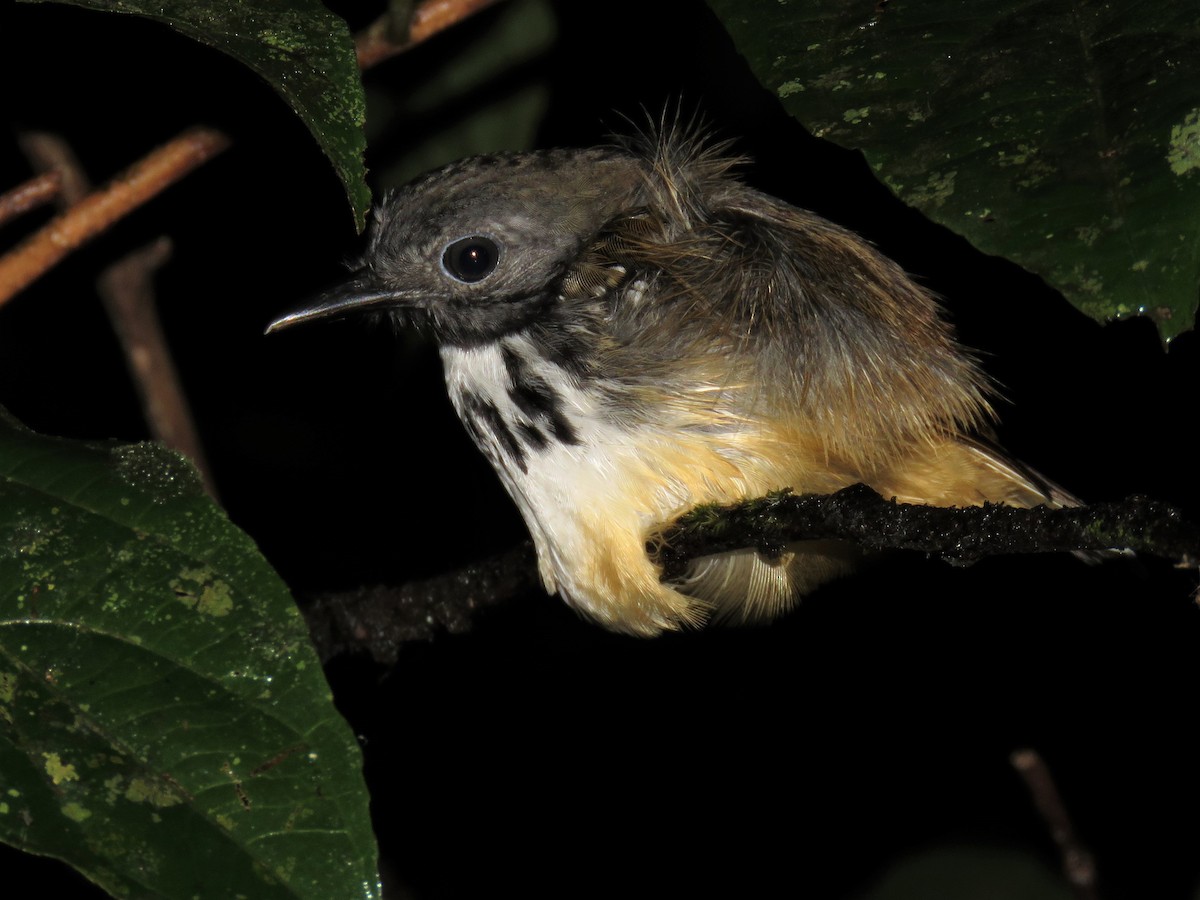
[630, 330]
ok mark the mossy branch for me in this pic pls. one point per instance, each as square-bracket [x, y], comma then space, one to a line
[958, 535]
[379, 620]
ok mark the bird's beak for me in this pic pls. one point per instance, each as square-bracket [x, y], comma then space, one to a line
[357, 295]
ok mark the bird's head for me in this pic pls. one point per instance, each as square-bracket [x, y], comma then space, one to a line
[478, 248]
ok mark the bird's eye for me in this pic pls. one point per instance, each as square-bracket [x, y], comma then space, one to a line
[471, 259]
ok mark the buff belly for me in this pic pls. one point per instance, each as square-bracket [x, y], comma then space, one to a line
[591, 495]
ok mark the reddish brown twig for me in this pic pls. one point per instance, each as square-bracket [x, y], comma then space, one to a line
[37, 191]
[377, 42]
[92, 215]
[1078, 864]
[127, 290]
[50, 153]
[192, 148]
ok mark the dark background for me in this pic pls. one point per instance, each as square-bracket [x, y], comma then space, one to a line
[538, 755]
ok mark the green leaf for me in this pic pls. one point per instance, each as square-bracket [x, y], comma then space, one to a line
[303, 51]
[1063, 135]
[983, 873]
[165, 726]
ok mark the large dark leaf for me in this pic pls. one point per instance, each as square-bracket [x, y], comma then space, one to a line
[1062, 134]
[304, 51]
[164, 723]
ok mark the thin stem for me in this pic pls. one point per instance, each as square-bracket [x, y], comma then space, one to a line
[99, 210]
[127, 290]
[37, 191]
[1078, 864]
[50, 153]
[377, 41]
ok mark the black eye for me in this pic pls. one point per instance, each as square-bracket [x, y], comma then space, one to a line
[471, 258]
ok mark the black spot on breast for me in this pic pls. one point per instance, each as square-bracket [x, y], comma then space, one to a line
[488, 428]
[533, 436]
[514, 366]
[534, 396]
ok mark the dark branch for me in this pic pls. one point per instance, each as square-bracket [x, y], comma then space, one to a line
[860, 515]
[379, 619]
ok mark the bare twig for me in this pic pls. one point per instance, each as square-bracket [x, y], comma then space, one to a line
[126, 287]
[37, 191]
[1077, 861]
[377, 41]
[127, 290]
[99, 210]
[49, 153]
